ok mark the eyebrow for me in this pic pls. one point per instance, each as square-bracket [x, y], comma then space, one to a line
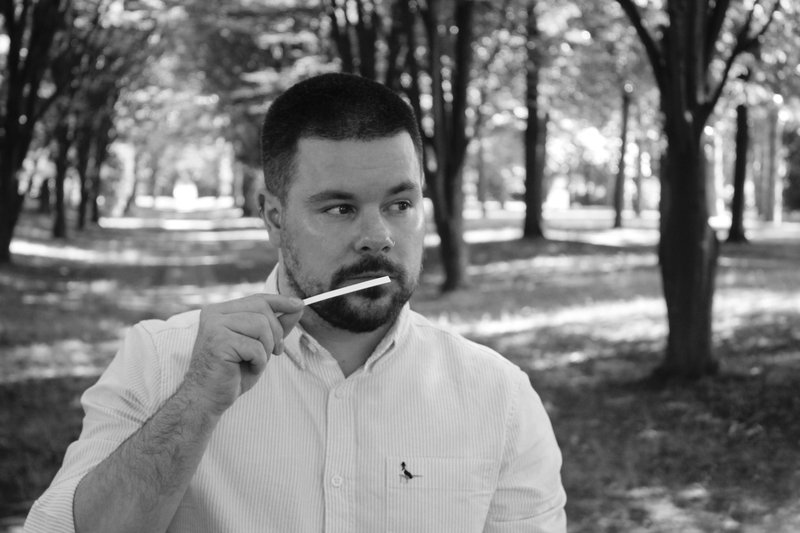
[334, 194]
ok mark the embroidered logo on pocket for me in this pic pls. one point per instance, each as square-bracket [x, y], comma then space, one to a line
[405, 475]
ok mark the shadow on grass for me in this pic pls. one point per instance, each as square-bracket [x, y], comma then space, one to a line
[39, 419]
[700, 457]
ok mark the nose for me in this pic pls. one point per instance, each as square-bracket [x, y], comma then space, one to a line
[375, 236]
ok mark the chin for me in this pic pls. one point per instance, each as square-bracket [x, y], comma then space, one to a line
[361, 314]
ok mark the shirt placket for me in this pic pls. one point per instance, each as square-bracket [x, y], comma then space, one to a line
[339, 465]
[338, 474]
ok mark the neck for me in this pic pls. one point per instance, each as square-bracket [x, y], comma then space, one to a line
[351, 350]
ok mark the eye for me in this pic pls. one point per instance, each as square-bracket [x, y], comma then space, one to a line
[400, 206]
[340, 210]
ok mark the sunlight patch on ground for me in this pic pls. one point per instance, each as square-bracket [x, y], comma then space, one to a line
[569, 263]
[176, 299]
[609, 237]
[736, 307]
[602, 312]
[181, 224]
[680, 512]
[69, 357]
[480, 235]
[75, 357]
[115, 257]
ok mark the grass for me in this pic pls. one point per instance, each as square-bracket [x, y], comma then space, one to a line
[586, 320]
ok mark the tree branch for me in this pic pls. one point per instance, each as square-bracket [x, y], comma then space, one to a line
[744, 43]
[341, 38]
[484, 89]
[713, 28]
[650, 46]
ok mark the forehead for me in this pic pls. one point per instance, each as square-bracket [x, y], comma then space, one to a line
[355, 164]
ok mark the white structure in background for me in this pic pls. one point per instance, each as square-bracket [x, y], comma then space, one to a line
[185, 193]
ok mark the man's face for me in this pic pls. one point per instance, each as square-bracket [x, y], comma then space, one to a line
[354, 212]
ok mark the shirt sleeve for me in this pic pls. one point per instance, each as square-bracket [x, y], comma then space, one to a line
[124, 397]
[530, 496]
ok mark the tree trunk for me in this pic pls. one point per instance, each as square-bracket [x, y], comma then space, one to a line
[341, 35]
[44, 197]
[637, 180]
[736, 232]
[774, 183]
[249, 187]
[83, 149]
[95, 201]
[450, 140]
[30, 29]
[688, 252]
[61, 164]
[619, 184]
[482, 185]
[534, 182]
[453, 252]
[102, 138]
[367, 38]
[534, 152]
[10, 208]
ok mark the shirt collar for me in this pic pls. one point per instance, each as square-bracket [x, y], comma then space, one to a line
[299, 344]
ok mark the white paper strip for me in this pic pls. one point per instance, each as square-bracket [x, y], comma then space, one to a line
[347, 290]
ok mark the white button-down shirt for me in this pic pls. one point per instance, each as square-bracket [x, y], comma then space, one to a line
[433, 433]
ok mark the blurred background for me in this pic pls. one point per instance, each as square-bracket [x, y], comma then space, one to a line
[597, 172]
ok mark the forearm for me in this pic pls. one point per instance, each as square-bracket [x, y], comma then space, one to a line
[141, 484]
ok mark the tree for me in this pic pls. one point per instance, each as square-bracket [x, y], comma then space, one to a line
[95, 58]
[691, 65]
[535, 130]
[736, 232]
[248, 52]
[30, 26]
[115, 57]
[71, 65]
[619, 184]
[446, 70]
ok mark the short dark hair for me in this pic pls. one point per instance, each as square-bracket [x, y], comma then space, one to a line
[330, 106]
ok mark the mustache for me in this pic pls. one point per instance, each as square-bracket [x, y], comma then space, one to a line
[374, 264]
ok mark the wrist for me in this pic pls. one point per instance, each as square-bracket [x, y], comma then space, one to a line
[201, 400]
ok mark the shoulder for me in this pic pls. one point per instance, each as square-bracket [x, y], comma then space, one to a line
[167, 344]
[176, 330]
[177, 324]
[463, 355]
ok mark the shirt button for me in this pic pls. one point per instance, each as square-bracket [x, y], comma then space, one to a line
[340, 393]
[337, 481]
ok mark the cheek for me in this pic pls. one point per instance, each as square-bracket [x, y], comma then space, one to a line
[309, 228]
[416, 230]
[311, 241]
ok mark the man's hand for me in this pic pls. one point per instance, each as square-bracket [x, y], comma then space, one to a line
[234, 343]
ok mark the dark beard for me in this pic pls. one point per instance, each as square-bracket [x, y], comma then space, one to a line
[345, 313]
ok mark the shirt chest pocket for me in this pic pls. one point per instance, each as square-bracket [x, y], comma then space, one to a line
[438, 494]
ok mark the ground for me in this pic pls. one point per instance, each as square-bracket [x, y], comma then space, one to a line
[582, 312]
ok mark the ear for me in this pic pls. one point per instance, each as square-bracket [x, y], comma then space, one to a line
[270, 209]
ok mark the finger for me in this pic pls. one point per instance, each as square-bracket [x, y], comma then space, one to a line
[289, 321]
[252, 353]
[277, 334]
[260, 303]
[263, 328]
